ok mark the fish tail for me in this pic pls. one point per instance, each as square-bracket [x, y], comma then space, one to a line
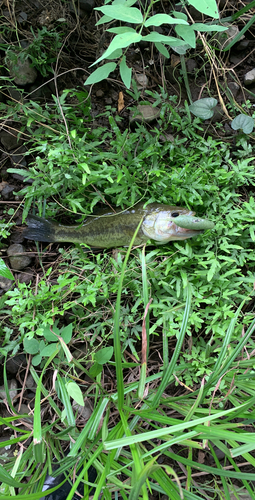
[40, 229]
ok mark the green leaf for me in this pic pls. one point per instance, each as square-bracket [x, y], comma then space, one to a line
[119, 42]
[188, 35]
[180, 15]
[214, 265]
[203, 108]
[104, 20]
[49, 349]
[48, 335]
[5, 271]
[244, 122]
[181, 49]
[207, 28]
[31, 346]
[122, 13]
[207, 7]
[115, 55]
[95, 369]
[162, 49]
[66, 333]
[121, 29]
[104, 355]
[6, 478]
[157, 37]
[100, 73]
[125, 73]
[36, 360]
[159, 19]
[74, 392]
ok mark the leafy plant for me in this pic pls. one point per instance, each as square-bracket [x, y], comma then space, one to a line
[123, 10]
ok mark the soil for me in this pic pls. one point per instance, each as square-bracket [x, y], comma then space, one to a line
[83, 44]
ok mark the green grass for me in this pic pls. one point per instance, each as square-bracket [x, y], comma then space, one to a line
[179, 317]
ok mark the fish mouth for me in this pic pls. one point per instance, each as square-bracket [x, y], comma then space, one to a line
[182, 234]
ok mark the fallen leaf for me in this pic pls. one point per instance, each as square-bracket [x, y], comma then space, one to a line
[121, 104]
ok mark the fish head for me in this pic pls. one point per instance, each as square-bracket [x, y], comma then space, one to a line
[173, 223]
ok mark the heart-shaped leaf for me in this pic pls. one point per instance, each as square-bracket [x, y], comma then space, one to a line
[244, 122]
[203, 108]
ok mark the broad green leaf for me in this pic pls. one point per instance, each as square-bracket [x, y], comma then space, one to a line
[95, 369]
[49, 349]
[203, 108]
[36, 360]
[180, 15]
[125, 73]
[104, 20]
[159, 19]
[207, 28]
[75, 392]
[121, 29]
[104, 355]
[207, 7]
[119, 42]
[181, 49]
[66, 333]
[115, 55]
[5, 271]
[244, 122]
[31, 346]
[122, 13]
[48, 335]
[157, 37]
[188, 34]
[162, 49]
[100, 73]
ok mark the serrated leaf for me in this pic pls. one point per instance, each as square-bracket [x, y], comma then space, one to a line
[100, 73]
[159, 19]
[31, 346]
[5, 271]
[244, 122]
[162, 49]
[188, 34]
[125, 73]
[207, 7]
[122, 13]
[207, 28]
[75, 392]
[203, 108]
[104, 355]
[119, 42]
[212, 269]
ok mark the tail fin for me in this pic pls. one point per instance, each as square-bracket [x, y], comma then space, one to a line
[39, 229]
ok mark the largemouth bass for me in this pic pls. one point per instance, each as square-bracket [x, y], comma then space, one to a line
[160, 223]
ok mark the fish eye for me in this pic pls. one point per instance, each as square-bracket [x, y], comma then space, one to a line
[175, 214]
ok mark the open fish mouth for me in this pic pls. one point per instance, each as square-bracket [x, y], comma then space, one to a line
[182, 233]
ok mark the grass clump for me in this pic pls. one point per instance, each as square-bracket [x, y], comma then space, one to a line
[178, 316]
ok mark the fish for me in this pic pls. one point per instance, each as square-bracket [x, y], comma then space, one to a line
[160, 224]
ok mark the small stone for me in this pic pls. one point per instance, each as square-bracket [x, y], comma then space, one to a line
[25, 278]
[225, 37]
[83, 411]
[100, 93]
[10, 140]
[145, 113]
[5, 283]
[87, 5]
[191, 65]
[7, 192]
[30, 383]
[13, 364]
[249, 77]
[12, 386]
[108, 101]
[142, 81]
[18, 261]
[217, 114]
[234, 88]
[243, 45]
[21, 70]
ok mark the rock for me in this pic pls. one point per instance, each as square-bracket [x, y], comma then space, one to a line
[18, 261]
[10, 140]
[225, 37]
[13, 364]
[12, 386]
[235, 59]
[7, 192]
[141, 80]
[217, 114]
[234, 88]
[21, 70]
[83, 411]
[30, 383]
[87, 5]
[5, 283]
[191, 65]
[243, 45]
[25, 277]
[249, 77]
[100, 93]
[145, 113]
